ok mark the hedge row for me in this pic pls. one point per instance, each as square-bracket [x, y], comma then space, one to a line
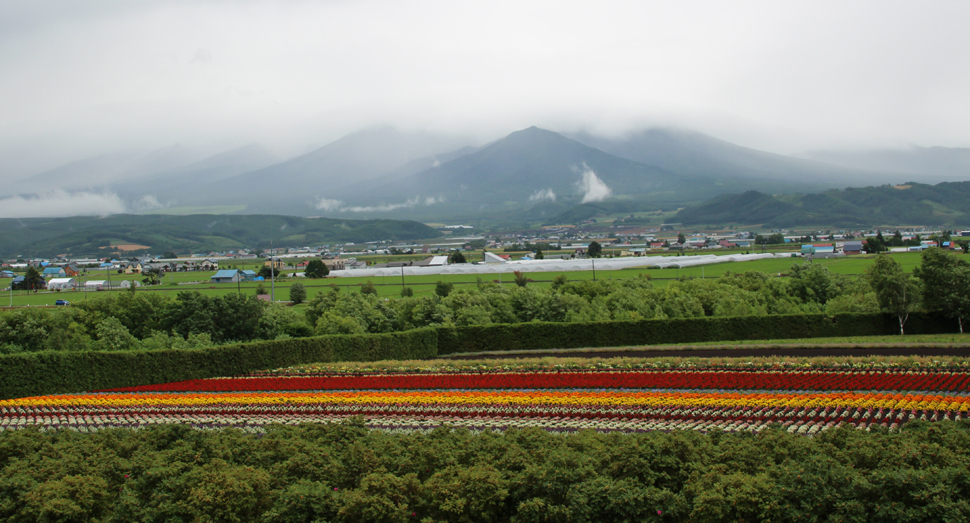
[40, 373]
[540, 335]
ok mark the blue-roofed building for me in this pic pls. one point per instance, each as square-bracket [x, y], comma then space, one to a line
[227, 276]
[54, 272]
[248, 275]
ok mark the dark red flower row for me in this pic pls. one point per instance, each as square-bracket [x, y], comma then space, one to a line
[633, 380]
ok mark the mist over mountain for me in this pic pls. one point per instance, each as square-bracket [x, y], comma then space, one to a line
[177, 185]
[356, 157]
[105, 170]
[529, 175]
[698, 154]
[535, 166]
[922, 164]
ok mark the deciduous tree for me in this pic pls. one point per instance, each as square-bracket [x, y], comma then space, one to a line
[316, 269]
[897, 292]
[946, 284]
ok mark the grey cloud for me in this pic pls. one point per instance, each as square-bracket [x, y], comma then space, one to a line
[80, 79]
[60, 203]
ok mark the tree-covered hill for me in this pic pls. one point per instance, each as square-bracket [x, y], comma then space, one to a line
[946, 203]
[91, 236]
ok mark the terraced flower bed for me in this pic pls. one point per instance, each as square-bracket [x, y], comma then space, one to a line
[805, 397]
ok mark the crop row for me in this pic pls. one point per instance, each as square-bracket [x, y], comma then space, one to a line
[567, 409]
[945, 381]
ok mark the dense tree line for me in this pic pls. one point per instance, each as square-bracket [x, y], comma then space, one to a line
[942, 286]
[316, 473]
[146, 320]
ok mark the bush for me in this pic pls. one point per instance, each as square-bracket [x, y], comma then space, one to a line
[40, 373]
[543, 335]
[443, 288]
[50, 372]
[297, 293]
[368, 288]
[343, 472]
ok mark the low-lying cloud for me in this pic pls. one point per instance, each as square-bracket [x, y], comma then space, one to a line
[326, 204]
[337, 205]
[59, 203]
[593, 189]
[543, 194]
[146, 203]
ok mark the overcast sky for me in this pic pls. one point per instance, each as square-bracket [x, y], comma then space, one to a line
[79, 79]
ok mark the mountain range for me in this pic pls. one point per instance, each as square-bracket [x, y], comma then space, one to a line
[99, 236]
[946, 203]
[529, 175]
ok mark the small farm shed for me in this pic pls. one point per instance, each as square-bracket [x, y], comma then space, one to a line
[227, 276]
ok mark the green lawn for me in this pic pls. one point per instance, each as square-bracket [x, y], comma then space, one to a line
[424, 285]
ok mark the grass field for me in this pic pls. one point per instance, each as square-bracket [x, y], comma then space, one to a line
[424, 285]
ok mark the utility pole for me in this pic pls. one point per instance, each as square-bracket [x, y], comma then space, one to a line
[593, 261]
[402, 280]
[272, 271]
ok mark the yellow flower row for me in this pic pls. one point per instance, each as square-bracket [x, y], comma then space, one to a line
[520, 398]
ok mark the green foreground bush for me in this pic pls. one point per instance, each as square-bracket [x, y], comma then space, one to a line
[52, 372]
[346, 473]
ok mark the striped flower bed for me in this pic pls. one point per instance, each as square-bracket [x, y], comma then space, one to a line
[805, 400]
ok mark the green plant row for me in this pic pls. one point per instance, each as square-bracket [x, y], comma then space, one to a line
[541, 335]
[54, 372]
[39, 373]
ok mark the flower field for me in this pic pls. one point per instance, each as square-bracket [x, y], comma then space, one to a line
[602, 395]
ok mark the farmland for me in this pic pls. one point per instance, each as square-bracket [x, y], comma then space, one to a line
[390, 286]
[283, 421]
[627, 396]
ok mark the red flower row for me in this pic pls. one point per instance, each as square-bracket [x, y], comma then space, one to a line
[930, 381]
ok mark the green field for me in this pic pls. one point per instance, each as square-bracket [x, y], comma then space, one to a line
[390, 286]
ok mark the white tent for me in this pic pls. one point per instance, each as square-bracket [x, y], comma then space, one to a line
[62, 283]
[605, 264]
[125, 284]
[95, 285]
[494, 258]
